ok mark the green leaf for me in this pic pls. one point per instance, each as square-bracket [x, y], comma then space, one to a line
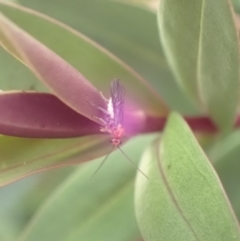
[98, 209]
[20, 200]
[4, 232]
[236, 4]
[91, 60]
[150, 5]
[184, 199]
[225, 157]
[19, 79]
[20, 157]
[201, 44]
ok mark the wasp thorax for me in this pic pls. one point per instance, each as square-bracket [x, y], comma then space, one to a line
[116, 141]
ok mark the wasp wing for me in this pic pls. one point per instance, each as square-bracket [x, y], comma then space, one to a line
[117, 96]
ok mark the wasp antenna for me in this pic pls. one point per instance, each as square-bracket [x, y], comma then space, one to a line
[102, 162]
[132, 162]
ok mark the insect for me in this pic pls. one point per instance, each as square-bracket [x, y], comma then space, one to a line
[113, 124]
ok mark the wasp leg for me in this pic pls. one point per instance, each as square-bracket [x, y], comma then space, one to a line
[99, 108]
[104, 111]
[105, 99]
[103, 122]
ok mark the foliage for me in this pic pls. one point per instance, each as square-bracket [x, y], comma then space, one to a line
[57, 61]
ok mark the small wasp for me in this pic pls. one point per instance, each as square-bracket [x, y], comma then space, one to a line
[113, 123]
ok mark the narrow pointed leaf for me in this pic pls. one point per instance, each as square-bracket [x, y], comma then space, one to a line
[65, 81]
[42, 115]
[137, 44]
[32, 114]
[183, 200]
[201, 44]
[94, 62]
[20, 157]
[96, 209]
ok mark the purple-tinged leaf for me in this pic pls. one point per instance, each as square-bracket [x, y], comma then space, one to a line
[40, 115]
[65, 81]
[89, 58]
